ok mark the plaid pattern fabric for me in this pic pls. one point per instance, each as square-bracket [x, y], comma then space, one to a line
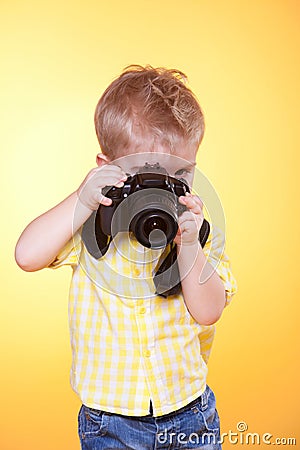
[129, 345]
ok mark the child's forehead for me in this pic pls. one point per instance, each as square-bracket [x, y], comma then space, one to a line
[169, 161]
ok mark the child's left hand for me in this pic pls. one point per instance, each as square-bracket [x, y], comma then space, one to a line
[190, 222]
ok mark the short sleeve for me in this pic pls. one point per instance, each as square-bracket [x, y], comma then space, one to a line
[214, 251]
[69, 254]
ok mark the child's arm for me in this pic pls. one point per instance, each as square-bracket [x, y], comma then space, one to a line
[205, 301]
[45, 236]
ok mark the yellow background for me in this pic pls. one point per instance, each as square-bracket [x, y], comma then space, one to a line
[242, 59]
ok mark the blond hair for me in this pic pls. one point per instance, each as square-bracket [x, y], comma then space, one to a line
[145, 107]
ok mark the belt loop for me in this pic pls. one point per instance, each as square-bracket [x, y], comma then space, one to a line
[204, 401]
[150, 408]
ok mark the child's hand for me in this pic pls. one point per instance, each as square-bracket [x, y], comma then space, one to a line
[190, 222]
[90, 190]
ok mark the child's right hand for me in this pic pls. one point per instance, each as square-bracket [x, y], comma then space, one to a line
[90, 190]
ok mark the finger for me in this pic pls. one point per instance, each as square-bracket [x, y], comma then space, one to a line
[193, 205]
[195, 200]
[188, 227]
[198, 200]
[119, 184]
[194, 220]
[110, 170]
[102, 200]
[187, 217]
[106, 179]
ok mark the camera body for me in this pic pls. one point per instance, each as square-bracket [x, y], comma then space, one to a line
[147, 205]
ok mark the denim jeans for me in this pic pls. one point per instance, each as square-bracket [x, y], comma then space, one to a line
[195, 426]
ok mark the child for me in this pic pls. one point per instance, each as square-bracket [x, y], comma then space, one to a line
[139, 359]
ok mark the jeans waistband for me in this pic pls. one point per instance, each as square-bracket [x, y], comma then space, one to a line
[202, 400]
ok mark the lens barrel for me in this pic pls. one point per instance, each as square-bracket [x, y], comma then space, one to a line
[154, 228]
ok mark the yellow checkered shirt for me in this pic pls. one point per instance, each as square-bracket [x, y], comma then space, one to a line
[128, 344]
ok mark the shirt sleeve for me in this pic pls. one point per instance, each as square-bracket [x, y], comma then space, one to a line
[214, 251]
[69, 254]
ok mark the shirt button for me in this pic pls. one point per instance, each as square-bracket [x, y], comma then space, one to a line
[142, 310]
[147, 353]
[136, 271]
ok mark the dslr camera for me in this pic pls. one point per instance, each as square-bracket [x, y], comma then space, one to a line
[146, 205]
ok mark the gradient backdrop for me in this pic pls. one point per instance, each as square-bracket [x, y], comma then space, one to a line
[242, 59]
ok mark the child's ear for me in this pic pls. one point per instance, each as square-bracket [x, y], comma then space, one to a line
[102, 159]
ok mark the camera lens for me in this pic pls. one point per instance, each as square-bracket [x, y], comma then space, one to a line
[150, 213]
[154, 229]
[155, 223]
